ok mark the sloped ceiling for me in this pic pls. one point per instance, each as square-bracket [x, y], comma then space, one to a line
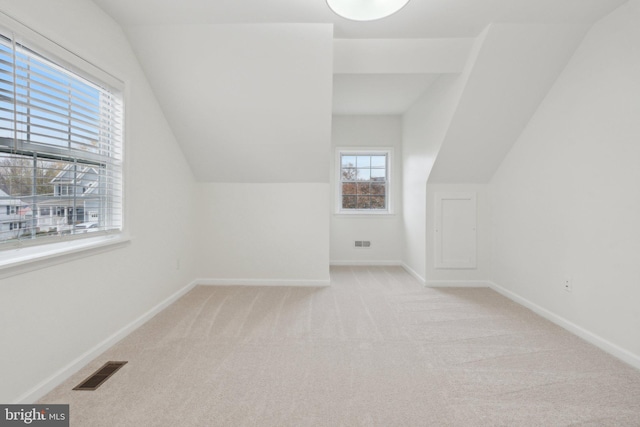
[513, 71]
[249, 86]
[248, 103]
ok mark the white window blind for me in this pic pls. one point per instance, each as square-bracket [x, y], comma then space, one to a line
[60, 149]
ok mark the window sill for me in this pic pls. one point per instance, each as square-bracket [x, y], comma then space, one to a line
[23, 260]
[364, 214]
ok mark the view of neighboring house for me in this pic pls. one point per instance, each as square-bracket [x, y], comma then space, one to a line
[75, 200]
[16, 217]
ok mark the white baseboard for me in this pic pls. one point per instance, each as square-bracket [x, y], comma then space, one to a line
[412, 272]
[456, 284]
[262, 282]
[366, 263]
[63, 374]
[611, 348]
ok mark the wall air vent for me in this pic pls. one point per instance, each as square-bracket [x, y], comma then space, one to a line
[362, 244]
[96, 379]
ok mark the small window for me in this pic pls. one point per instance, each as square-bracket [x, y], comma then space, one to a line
[363, 184]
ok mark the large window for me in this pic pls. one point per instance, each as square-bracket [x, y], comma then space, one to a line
[60, 149]
[364, 181]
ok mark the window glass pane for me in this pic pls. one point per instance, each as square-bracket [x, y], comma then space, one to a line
[364, 188]
[378, 202]
[364, 174]
[378, 161]
[16, 177]
[348, 174]
[378, 189]
[349, 202]
[349, 188]
[46, 173]
[364, 202]
[364, 161]
[378, 174]
[348, 161]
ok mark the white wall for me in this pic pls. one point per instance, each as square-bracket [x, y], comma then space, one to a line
[263, 233]
[52, 316]
[383, 231]
[460, 277]
[423, 128]
[566, 200]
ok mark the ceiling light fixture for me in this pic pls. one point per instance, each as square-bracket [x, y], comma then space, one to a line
[366, 10]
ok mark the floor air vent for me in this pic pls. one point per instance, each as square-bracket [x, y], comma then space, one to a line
[101, 375]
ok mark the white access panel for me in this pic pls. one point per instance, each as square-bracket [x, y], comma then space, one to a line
[455, 230]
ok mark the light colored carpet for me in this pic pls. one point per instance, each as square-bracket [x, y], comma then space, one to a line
[374, 349]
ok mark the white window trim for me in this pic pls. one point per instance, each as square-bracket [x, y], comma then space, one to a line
[29, 257]
[337, 187]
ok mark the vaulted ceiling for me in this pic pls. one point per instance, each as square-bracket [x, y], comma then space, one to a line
[249, 86]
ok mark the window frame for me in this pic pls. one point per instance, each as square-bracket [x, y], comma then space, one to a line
[364, 151]
[26, 255]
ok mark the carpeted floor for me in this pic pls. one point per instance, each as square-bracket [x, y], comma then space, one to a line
[374, 349]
